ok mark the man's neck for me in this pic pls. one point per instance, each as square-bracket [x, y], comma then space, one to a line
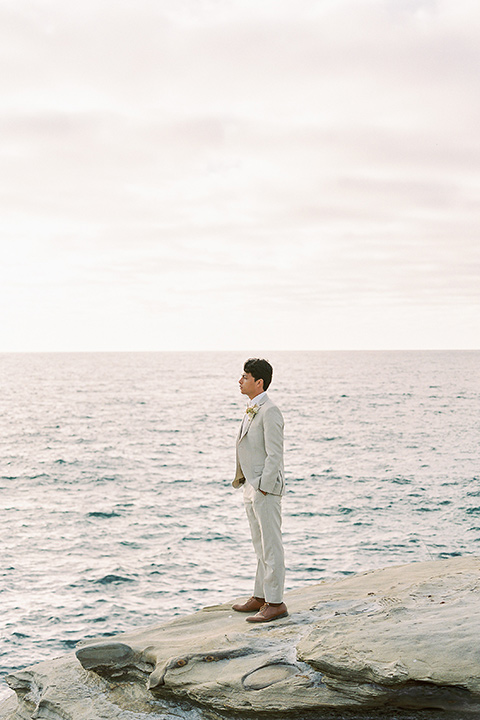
[258, 395]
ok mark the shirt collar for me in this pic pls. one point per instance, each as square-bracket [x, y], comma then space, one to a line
[257, 399]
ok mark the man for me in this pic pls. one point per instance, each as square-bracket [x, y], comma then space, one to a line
[260, 471]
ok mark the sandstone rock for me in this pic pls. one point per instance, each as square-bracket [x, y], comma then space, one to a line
[401, 637]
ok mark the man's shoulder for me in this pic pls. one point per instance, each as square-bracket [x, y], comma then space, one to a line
[269, 406]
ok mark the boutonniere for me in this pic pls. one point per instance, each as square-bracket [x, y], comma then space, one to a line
[252, 411]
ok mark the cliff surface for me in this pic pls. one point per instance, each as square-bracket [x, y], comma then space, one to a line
[400, 637]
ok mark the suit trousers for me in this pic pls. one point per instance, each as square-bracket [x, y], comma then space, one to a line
[264, 514]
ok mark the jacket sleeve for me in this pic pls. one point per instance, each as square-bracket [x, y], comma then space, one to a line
[273, 436]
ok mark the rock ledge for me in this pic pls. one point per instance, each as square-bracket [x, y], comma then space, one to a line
[401, 637]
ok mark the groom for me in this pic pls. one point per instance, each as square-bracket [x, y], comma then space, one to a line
[260, 471]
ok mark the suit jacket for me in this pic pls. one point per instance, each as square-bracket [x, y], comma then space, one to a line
[260, 450]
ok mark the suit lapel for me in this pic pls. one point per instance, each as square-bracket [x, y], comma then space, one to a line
[246, 427]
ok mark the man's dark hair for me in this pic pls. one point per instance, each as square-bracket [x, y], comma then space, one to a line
[259, 369]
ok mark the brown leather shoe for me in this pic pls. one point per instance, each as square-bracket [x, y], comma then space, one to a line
[251, 606]
[269, 612]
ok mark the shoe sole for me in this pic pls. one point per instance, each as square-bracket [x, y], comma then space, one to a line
[277, 617]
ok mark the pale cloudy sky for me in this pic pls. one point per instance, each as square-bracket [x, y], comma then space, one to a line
[239, 174]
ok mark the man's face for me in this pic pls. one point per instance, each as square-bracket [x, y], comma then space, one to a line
[249, 386]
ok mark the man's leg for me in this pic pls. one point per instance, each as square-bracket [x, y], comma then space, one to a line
[256, 534]
[267, 511]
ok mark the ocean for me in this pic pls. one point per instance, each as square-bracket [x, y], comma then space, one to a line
[116, 470]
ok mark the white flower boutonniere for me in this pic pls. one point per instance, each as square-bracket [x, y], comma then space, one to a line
[252, 411]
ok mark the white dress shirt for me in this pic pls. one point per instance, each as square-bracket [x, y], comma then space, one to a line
[251, 403]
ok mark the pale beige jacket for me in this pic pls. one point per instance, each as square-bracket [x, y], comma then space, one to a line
[260, 450]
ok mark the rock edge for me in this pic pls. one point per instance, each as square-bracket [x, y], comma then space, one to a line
[399, 637]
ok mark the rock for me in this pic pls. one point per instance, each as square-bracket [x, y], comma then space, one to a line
[401, 637]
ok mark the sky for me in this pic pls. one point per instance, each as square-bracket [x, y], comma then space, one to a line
[239, 175]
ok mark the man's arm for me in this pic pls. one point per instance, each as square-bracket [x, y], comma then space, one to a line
[273, 438]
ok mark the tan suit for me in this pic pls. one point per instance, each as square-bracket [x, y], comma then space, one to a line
[260, 467]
